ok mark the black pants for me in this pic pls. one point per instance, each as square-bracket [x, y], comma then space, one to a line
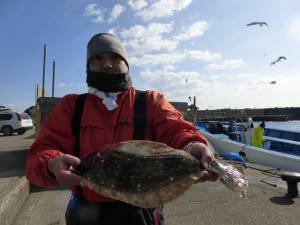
[82, 212]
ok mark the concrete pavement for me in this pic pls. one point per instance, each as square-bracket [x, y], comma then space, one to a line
[14, 188]
[204, 204]
[214, 204]
[17, 141]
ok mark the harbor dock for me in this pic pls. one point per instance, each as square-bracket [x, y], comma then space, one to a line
[209, 203]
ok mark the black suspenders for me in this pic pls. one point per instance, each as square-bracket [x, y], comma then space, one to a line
[139, 121]
[76, 121]
[153, 216]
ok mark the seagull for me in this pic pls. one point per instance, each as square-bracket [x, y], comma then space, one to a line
[257, 23]
[280, 58]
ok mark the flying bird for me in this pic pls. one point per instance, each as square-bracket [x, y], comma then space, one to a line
[280, 58]
[257, 23]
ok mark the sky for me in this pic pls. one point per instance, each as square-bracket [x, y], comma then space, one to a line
[181, 48]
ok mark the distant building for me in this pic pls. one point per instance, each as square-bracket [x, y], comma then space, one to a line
[180, 106]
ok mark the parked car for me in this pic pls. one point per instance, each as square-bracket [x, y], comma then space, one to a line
[11, 122]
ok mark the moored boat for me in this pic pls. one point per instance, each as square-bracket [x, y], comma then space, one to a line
[276, 158]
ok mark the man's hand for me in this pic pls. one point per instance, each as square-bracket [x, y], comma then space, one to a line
[63, 169]
[202, 152]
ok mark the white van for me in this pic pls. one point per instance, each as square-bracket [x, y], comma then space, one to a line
[11, 122]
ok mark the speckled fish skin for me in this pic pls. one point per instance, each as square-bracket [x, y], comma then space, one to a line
[137, 166]
[149, 174]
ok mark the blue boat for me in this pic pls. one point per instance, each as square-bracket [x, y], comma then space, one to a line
[279, 150]
[283, 141]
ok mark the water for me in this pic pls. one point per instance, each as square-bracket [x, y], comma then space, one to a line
[282, 125]
[293, 126]
[285, 125]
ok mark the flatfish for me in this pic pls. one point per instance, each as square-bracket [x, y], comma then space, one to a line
[147, 173]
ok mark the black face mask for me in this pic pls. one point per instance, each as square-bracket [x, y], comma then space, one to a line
[109, 82]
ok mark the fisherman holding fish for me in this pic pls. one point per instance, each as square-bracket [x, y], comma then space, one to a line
[109, 113]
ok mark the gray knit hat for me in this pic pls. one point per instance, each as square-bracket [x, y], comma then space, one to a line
[105, 42]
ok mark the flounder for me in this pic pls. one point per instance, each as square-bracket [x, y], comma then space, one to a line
[146, 173]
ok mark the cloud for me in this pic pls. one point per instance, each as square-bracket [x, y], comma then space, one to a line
[69, 85]
[149, 44]
[174, 58]
[112, 31]
[194, 30]
[163, 8]
[225, 65]
[224, 90]
[141, 39]
[157, 59]
[294, 28]
[95, 12]
[172, 83]
[204, 55]
[153, 29]
[116, 12]
[136, 5]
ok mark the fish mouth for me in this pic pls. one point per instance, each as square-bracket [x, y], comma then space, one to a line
[88, 163]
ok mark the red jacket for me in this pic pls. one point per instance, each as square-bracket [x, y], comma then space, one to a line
[100, 126]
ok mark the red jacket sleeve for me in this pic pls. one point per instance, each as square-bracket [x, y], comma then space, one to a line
[169, 125]
[55, 139]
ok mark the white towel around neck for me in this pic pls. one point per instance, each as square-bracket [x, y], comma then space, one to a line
[108, 98]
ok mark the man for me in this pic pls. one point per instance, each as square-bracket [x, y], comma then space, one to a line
[258, 135]
[232, 132]
[109, 102]
[246, 135]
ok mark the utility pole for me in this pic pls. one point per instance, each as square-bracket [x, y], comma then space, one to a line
[35, 94]
[44, 70]
[195, 112]
[53, 78]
